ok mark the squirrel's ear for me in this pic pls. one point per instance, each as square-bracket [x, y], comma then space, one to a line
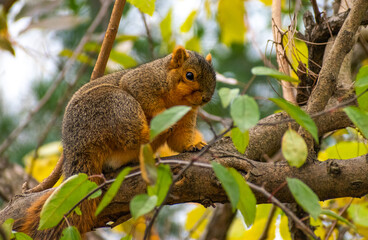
[178, 57]
[209, 58]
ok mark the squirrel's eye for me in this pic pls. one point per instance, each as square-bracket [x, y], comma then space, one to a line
[189, 76]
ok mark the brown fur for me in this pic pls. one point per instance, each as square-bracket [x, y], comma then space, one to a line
[107, 121]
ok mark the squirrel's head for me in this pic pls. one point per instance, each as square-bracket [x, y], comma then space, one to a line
[191, 78]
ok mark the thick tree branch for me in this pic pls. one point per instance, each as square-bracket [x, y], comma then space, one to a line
[287, 87]
[330, 179]
[344, 42]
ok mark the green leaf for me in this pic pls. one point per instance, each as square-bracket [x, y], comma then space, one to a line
[21, 236]
[123, 38]
[265, 71]
[187, 25]
[7, 227]
[247, 201]
[161, 188]
[146, 6]
[338, 217]
[83, 58]
[363, 99]
[359, 118]
[96, 194]
[361, 85]
[67, 195]
[231, 20]
[304, 196]
[294, 148]
[123, 59]
[362, 77]
[165, 27]
[142, 204]
[228, 182]
[227, 95]
[166, 119]
[113, 189]
[78, 211]
[302, 118]
[240, 139]
[244, 112]
[359, 214]
[70, 233]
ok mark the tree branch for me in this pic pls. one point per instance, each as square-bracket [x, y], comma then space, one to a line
[330, 179]
[344, 42]
[112, 29]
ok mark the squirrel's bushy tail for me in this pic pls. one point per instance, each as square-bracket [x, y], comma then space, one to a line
[84, 223]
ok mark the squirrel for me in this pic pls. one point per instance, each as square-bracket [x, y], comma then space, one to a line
[107, 121]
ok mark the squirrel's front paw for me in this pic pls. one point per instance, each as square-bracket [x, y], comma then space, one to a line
[194, 148]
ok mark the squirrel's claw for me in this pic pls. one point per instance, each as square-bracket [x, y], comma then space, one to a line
[196, 147]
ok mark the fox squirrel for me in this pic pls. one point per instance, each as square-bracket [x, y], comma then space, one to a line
[107, 120]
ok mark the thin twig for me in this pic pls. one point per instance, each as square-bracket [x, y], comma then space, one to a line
[317, 13]
[287, 211]
[112, 29]
[147, 231]
[149, 36]
[15, 133]
[341, 105]
[333, 225]
[280, 56]
[198, 223]
[271, 214]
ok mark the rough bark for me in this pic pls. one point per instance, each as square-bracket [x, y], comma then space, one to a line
[329, 179]
[343, 44]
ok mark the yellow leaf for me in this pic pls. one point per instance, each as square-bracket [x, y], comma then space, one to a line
[187, 25]
[193, 44]
[48, 156]
[257, 229]
[134, 227]
[146, 6]
[237, 230]
[207, 6]
[284, 228]
[231, 20]
[165, 27]
[193, 217]
[266, 2]
[343, 150]
[297, 51]
[320, 229]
